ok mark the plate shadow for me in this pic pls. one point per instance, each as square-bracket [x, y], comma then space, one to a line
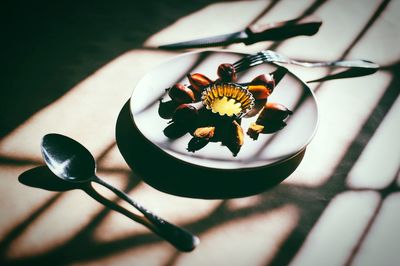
[173, 176]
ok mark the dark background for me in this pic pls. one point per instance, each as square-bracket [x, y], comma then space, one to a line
[50, 46]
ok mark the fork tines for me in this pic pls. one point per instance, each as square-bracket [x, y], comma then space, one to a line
[249, 61]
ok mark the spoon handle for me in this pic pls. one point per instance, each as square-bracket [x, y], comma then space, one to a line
[177, 236]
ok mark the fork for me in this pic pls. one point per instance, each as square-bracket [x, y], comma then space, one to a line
[271, 56]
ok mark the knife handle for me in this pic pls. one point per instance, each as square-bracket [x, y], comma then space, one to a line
[277, 31]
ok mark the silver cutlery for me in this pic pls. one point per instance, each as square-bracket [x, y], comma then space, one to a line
[271, 56]
[72, 162]
[276, 31]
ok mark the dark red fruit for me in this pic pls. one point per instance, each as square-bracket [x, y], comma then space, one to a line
[227, 73]
[266, 80]
[185, 114]
[179, 93]
[272, 113]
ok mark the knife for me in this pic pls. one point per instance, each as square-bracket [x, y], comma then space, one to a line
[258, 32]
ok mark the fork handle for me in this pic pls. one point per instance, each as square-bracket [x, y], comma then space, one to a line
[277, 31]
[340, 63]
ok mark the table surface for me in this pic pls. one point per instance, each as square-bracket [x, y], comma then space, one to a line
[70, 69]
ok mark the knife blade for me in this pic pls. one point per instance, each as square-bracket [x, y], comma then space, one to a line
[258, 32]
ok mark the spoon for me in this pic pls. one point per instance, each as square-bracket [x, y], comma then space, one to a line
[72, 162]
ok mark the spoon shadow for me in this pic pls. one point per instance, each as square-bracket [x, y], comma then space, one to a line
[41, 177]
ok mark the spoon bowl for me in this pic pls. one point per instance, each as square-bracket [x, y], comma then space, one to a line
[68, 159]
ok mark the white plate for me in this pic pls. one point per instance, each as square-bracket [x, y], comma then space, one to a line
[267, 150]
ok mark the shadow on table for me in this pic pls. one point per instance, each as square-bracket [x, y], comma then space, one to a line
[349, 73]
[42, 177]
[173, 176]
[50, 47]
[312, 206]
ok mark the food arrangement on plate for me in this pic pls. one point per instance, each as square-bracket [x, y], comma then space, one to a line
[194, 135]
[212, 111]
